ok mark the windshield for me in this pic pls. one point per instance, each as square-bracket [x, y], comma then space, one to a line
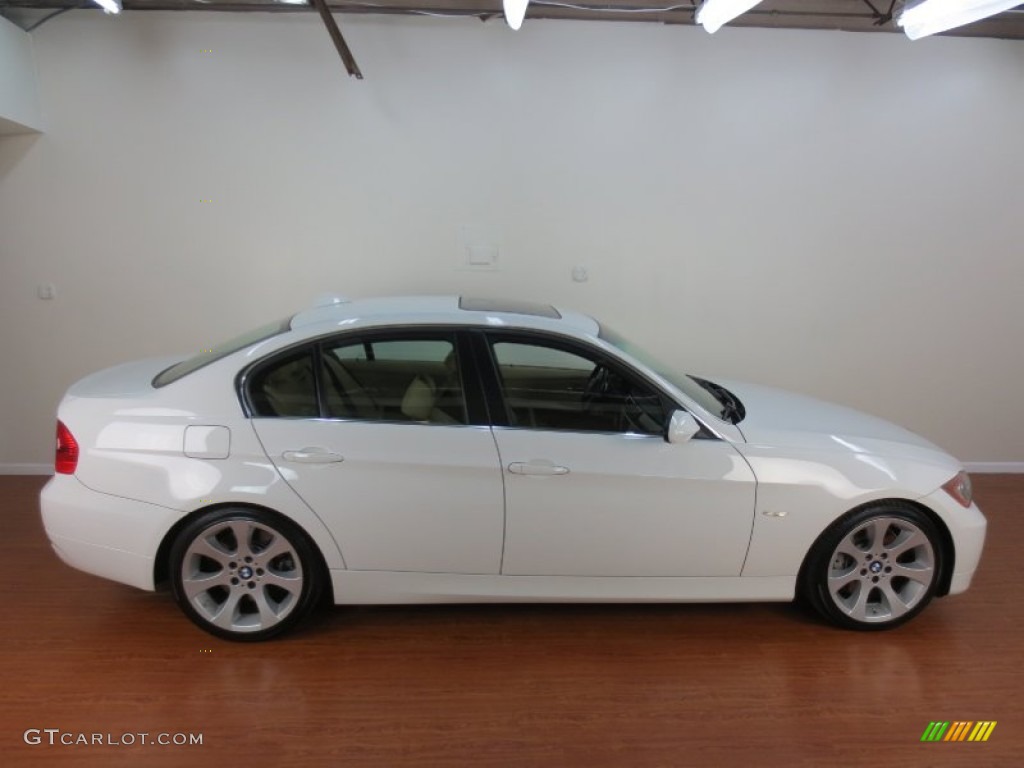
[694, 388]
[207, 356]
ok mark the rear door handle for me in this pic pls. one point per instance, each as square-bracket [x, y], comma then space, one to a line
[313, 456]
[537, 467]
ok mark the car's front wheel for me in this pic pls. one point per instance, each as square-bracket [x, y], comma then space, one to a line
[244, 574]
[876, 568]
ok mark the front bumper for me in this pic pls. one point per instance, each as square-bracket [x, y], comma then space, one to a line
[967, 527]
[105, 535]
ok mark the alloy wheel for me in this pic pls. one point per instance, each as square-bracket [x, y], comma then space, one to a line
[242, 576]
[881, 570]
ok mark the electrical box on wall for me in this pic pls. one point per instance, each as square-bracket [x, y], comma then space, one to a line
[479, 249]
[482, 256]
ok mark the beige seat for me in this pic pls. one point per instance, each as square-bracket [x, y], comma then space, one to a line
[420, 402]
[289, 390]
[345, 396]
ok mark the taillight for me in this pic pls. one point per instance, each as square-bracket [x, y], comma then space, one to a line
[66, 460]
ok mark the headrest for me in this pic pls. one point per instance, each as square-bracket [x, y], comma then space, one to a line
[420, 398]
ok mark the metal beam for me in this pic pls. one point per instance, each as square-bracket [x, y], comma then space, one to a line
[339, 42]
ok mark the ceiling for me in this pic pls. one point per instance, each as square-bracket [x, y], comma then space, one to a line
[849, 15]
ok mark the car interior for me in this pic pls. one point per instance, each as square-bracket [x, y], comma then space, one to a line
[418, 380]
[372, 383]
[547, 388]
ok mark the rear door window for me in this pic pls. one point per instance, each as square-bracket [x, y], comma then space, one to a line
[285, 387]
[393, 379]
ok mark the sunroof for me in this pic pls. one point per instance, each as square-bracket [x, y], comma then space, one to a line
[510, 307]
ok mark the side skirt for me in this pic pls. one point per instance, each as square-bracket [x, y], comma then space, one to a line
[390, 587]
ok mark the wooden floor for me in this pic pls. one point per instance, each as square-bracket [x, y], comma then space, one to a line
[739, 685]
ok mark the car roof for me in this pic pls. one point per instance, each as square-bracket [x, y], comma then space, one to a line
[439, 310]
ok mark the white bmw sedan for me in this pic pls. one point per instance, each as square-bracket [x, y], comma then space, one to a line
[445, 449]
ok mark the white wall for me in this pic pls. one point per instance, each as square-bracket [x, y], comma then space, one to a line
[834, 213]
[19, 105]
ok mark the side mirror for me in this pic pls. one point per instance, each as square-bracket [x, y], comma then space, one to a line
[681, 427]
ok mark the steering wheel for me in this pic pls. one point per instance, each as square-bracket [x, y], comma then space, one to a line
[601, 397]
[627, 414]
[605, 387]
[598, 385]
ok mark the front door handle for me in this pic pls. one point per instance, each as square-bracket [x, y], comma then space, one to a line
[537, 467]
[313, 456]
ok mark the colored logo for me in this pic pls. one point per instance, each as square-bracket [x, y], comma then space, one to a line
[959, 731]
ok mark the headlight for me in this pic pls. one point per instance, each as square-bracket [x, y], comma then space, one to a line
[960, 488]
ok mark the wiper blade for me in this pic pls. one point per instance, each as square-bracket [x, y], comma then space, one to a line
[731, 412]
[732, 409]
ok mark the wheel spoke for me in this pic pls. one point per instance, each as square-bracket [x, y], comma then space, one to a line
[860, 606]
[896, 605]
[848, 548]
[922, 574]
[207, 547]
[268, 616]
[878, 530]
[279, 546]
[202, 582]
[242, 531]
[288, 582]
[837, 581]
[225, 617]
[914, 538]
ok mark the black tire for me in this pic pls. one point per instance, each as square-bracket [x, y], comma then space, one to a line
[875, 568]
[244, 574]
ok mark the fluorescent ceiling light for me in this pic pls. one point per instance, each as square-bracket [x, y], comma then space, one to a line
[930, 16]
[712, 14]
[109, 6]
[515, 12]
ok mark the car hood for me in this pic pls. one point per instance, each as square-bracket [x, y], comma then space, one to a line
[781, 418]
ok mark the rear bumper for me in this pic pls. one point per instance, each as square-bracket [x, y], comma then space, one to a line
[104, 535]
[967, 527]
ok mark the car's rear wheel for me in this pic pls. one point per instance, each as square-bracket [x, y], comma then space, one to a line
[244, 574]
[876, 568]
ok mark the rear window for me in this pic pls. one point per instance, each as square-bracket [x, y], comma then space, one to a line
[207, 356]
